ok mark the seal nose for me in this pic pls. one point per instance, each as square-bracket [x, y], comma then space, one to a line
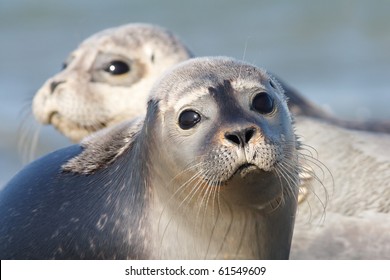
[54, 84]
[240, 137]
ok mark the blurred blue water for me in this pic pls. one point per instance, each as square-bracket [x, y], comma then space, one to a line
[335, 52]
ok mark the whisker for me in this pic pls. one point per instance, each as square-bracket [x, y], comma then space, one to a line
[212, 188]
[179, 191]
[243, 57]
[188, 168]
[27, 145]
[242, 235]
[309, 149]
[291, 179]
[323, 202]
[229, 227]
[282, 190]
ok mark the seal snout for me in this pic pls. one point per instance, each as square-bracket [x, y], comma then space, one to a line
[54, 84]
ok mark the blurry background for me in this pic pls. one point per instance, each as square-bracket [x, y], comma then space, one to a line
[335, 52]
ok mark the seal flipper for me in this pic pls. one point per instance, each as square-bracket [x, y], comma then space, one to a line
[103, 147]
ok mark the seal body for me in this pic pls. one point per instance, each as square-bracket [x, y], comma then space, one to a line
[211, 172]
[56, 215]
[346, 211]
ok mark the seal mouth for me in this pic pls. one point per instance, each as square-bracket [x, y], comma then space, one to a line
[73, 130]
[245, 169]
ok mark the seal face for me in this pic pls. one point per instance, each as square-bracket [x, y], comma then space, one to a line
[230, 155]
[229, 137]
[107, 78]
[211, 172]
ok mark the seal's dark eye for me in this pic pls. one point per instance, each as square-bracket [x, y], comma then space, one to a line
[188, 119]
[263, 103]
[64, 65]
[117, 67]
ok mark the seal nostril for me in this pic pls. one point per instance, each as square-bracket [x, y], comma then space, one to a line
[233, 137]
[54, 84]
[249, 134]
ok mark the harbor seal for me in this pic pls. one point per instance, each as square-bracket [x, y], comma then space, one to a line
[107, 79]
[211, 172]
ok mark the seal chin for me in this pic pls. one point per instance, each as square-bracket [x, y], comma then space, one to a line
[73, 130]
[251, 185]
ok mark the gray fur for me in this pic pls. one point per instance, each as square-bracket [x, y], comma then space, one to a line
[349, 203]
[103, 147]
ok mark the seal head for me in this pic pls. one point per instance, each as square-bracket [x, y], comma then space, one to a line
[107, 78]
[229, 154]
